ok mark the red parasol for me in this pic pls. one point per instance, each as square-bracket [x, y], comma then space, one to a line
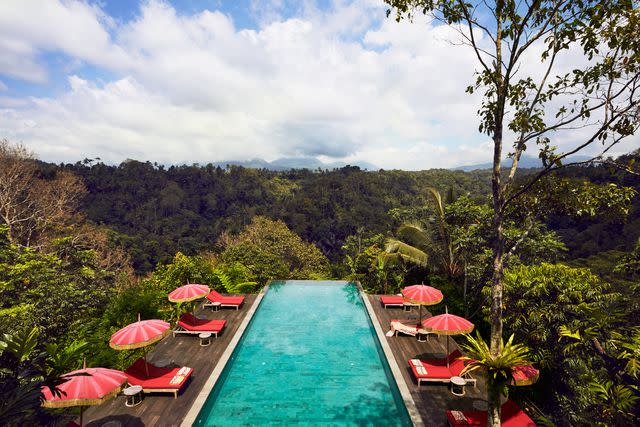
[524, 375]
[447, 324]
[422, 295]
[139, 334]
[189, 292]
[85, 387]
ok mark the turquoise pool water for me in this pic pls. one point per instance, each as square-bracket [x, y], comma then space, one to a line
[308, 357]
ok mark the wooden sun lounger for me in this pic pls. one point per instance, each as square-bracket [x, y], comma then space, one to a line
[215, 299]
[408, 327]
[436, 370]
[157, 380]
[395, 301]
[191, 325]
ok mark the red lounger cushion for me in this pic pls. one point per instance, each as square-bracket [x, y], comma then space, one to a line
[216, 297]
[437, 368]
[392, 300]
[158, 378]
[511, 416]
[192, 323]
[432, 371]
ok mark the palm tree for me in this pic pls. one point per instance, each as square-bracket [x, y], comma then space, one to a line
[498, 368]
[414, 243]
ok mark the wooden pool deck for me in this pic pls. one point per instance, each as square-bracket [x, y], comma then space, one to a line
[434, 399]
[162, 409]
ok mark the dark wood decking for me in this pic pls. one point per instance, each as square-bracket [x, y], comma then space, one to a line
[432, 400]
[162, 409]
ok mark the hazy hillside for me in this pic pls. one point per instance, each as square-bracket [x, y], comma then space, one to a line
[525, 162]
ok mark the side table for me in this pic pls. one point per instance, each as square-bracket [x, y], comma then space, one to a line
[205, 339]
[457, 386]
[134, 395]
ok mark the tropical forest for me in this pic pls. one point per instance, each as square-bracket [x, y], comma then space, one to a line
[543, 258]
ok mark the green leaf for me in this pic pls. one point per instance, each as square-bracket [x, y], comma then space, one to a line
[21, 344]
[566, 332]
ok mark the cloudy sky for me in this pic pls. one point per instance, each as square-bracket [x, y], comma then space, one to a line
[198, 81]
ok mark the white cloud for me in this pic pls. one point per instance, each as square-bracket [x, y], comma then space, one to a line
[17, 59]
[29, 27]
[346, 84]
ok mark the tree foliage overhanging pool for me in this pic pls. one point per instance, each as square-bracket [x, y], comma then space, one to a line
[309, 356]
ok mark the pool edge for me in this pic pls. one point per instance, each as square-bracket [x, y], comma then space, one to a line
[201, 399]
[409, 403]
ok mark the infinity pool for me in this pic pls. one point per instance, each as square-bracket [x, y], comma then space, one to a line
[309, 356]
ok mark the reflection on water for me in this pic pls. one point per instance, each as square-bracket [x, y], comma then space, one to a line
[353, 294]
[276, 286]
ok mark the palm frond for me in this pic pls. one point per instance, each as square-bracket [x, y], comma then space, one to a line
[390, 259]
[406, 252]
[437, 199]
[414, 235]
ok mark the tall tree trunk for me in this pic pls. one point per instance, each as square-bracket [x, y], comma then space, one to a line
[493, 415]
[493, 395]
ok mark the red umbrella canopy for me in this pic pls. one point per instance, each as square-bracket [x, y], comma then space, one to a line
[447, 324]
[524, 375]
[139, 334]
[422, 294]
[85, 387]
[188, 293]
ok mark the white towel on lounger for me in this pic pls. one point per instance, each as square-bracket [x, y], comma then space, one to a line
[458, 416]
[177, 379]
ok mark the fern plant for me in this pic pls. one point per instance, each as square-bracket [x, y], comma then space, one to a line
[234, 288]
[243, 288]
[615, 402]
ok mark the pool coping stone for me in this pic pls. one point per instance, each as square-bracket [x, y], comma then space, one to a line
[409, 403]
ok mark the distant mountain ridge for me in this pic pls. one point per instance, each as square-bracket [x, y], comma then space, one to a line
[526, 161]
[287, 163]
